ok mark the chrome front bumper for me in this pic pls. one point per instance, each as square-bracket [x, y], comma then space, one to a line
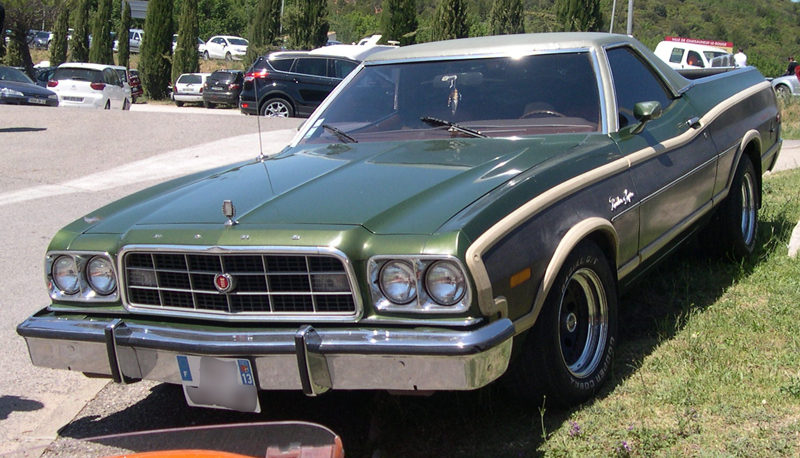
[306, 358]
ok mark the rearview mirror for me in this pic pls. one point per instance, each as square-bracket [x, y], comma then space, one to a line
[645, 112]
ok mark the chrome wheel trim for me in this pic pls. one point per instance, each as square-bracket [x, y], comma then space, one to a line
[583, 323]
[748, 225]
[276, 110]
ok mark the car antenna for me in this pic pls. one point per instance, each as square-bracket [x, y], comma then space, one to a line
[261, 156]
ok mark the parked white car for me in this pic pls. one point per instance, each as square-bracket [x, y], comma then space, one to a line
[690, 55]
[225, 47]
[189, 88]
[89, 86]
[201, 45]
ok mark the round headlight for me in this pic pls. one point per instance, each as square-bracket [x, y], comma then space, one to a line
[101, 275]
[445, 283]
[65, 275]
[398, 282]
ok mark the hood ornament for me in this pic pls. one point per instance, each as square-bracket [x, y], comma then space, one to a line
[230, 212]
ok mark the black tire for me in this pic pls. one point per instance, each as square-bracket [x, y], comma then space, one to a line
[568, 354]
[734, 226]
[228, 56]
[108, 105]
[205, 55]
[277, 108]
[208, 104]
[126, 105]
[178, 104]
[783, 90]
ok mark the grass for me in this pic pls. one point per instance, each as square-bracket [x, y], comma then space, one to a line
[709, 366]
[790, 114]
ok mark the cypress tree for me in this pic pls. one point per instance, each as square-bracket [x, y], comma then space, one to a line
[506, 17]
[2, 42]
[79, 46]
[101, 51]
[185, 58]
[13, 57]
[264, 30]
[58, 47]
[450, 20]
[579, 15]
[123, 45]
[154, 63]
[401, 21]
[306, 22]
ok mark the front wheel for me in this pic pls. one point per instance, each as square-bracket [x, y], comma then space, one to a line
[783, 91]
[205, 55]
[568, 354]
[228, 57]
[126, 105]
[277, 108]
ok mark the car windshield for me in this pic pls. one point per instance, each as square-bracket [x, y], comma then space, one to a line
[190, 79]
[12, 74]
[79, 74]
[237, 41]
[493, 97]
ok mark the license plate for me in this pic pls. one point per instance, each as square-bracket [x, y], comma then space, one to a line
[73, 99]
[37, 101]
[216, 88]
[219, 383]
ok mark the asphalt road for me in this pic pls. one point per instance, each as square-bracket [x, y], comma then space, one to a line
[58, 165]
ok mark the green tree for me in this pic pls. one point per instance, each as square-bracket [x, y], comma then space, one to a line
[21, 16]
[306, 22]
[101, 50]
[264, 30]
[155, 62]
[58, 47]
[579, 15]
[451, 20]
[79, 44]
[123, 45]
[400, 21]
[185, 58]
[507, 17]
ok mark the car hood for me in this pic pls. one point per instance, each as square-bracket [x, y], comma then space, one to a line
[27, 89]
[388, 188]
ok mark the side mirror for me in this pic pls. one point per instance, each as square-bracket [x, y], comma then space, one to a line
[645, 112]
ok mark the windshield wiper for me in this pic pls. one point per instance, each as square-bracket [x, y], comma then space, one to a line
[453, 127]
[341, 135]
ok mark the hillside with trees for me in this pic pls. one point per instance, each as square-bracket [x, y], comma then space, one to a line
[768, 30]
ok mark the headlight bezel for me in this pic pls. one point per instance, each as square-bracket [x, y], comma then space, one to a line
[424, 302]
[86, 291]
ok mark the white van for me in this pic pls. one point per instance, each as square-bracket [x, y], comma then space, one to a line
[688, 55]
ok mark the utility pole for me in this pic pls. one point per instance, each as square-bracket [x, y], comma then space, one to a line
[613, 11]
[630, 17]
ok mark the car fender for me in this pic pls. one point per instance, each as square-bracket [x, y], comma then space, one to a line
[276, 93]
[577, 234]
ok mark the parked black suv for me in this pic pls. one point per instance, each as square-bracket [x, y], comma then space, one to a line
[223, 87]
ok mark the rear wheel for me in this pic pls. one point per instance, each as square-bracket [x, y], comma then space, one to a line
[208, 104]
[126, 105]
[178, 103]
[567, 355]
[735, 223]
[277, 108]
[783, 91]
[205, 55]
[107, 105]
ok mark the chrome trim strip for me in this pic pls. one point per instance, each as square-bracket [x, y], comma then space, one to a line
[244, 316]
[494, 55]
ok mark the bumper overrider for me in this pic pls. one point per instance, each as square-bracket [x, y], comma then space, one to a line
[314, 360]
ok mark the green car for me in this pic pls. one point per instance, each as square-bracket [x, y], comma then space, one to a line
[454, 212]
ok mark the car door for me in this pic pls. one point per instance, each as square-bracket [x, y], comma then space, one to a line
[114, 90]
[313, 83]
[673, 162]
[214, 48]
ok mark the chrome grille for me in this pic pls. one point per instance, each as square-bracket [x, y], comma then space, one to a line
[264, 284]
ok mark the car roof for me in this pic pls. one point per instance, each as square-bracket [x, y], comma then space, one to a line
[355, 52]
[85, 65]
[286, 54]
[227, 36]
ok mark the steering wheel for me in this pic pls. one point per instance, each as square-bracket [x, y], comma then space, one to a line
[535, 113]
